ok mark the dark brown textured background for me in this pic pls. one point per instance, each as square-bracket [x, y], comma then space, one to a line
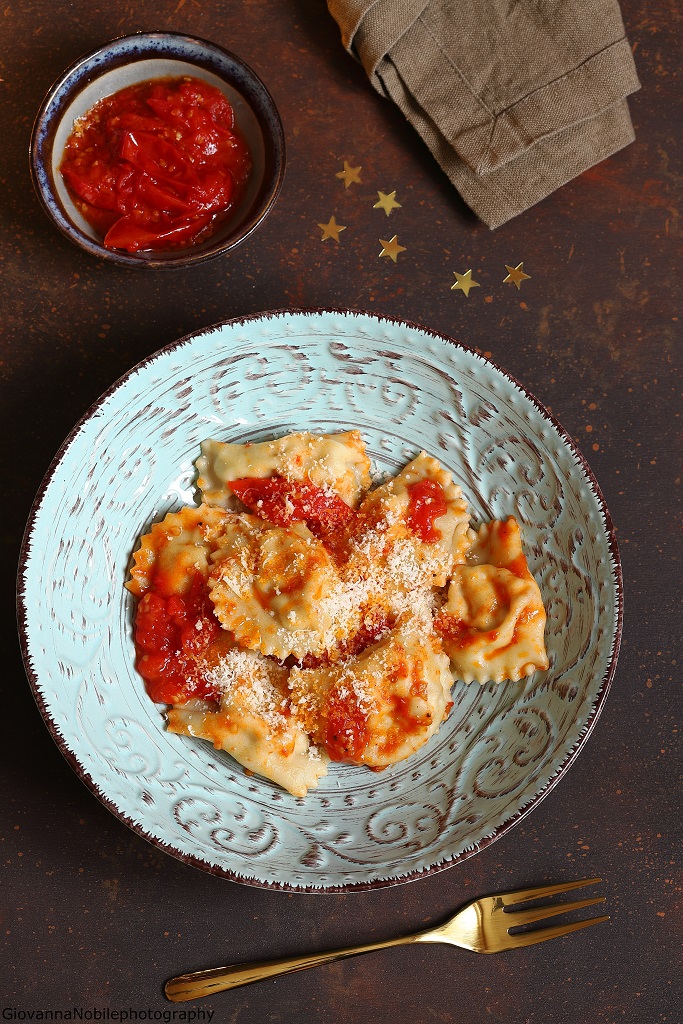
[93, 917]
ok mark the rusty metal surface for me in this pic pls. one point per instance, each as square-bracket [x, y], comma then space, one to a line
[92, 918]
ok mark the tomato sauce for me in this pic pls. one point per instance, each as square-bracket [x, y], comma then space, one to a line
[346, 731]
[173, 633]
[458, 632]
[404, 723]
[157, 165]
[518, 567]
[427, 502]
[282, 502]
[351, 647]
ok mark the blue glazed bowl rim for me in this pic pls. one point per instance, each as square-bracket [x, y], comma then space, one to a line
[251, 87]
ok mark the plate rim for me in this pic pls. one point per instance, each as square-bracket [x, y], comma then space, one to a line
[230, 874]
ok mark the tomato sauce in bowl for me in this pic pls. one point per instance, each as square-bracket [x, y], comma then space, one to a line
[158, 165]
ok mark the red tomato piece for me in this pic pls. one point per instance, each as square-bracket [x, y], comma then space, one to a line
[427, 502]
[97, 187]
[196, 94]
[134, 122]
[163, 199]
[215, 190]
[283, 501]
[172, 634]
[132, 235]
[161, 160]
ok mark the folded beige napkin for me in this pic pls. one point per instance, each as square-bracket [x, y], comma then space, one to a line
[513, 97]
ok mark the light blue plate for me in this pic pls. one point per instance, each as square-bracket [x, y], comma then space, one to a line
[130, 460]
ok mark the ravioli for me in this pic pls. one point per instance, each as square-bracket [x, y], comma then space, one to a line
[380, 707]
[176, 549]
[392, 569]
[335, 631]
[274, 588]
[254, 724]
[492, 624]
[337, 461]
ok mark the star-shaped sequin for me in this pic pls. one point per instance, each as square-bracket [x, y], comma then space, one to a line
[331, 229]
[387, 202]
[350, 175]
[464, 282]
[516, 275]
[391, 248]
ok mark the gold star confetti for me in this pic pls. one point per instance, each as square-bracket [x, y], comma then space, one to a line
[516, 275]
[331, 229]
[387, 202]
[464, 283]
[391, 248]
[350, 175]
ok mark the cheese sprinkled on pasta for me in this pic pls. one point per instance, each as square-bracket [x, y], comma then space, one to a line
[339, 644]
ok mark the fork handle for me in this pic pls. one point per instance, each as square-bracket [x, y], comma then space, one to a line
[205, 983]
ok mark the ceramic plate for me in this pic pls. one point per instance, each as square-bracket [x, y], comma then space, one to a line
[130, 460]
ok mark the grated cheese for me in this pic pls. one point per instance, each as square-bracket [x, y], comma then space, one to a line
[348, 638]
[253, 682]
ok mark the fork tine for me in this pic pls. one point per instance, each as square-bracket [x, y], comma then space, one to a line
[520, 917]
[554, 932]
[522, 895]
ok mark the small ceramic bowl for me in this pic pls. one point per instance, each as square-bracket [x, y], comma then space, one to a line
[124, 62]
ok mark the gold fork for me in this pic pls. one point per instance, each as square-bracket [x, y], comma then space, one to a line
[482, 926]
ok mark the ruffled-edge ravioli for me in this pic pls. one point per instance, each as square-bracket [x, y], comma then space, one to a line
[380, 707]
[176, 549]
[253, 723]
[278, 592]
[276, 588]
[382, 543]
[492, 625]
[335, 461]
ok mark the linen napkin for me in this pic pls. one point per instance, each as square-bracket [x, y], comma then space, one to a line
[513, 97]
